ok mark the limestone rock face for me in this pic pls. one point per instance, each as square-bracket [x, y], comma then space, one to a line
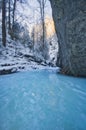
[70, 22]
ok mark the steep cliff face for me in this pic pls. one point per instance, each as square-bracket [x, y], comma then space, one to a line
[70, 22]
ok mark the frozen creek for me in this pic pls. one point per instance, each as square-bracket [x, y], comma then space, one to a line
[42, 100]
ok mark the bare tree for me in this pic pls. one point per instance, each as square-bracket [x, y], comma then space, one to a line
[33, 37]
[42, 4]
[4, 22]
[0, 5]
[9, 16]
[14, 8]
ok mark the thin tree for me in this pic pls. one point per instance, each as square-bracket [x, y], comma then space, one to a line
[4, 22]
[33, 36]
[0, 5]
[14, 8]
[42, 4]
[9, 16]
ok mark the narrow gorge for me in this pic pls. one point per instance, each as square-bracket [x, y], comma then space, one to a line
[70, 23]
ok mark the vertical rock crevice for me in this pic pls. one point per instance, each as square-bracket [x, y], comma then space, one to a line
[70, 23]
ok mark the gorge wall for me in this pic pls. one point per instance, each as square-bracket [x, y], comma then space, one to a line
[70, 23]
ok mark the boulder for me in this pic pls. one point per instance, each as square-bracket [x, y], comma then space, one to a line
[8, 71]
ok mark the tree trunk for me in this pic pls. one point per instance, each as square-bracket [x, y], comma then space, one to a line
[4, 22]
[9, 17]
[42, 8]
[14, 7]
[43, 22]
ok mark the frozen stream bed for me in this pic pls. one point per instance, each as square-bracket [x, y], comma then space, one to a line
[42, 100]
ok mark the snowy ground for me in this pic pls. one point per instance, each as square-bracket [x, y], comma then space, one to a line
[15, 57]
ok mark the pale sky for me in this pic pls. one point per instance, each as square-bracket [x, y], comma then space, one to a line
[30, 11]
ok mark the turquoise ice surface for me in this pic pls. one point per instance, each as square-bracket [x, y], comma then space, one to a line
[42, 100]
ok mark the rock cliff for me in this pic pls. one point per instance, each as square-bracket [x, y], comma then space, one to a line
[70, 22]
